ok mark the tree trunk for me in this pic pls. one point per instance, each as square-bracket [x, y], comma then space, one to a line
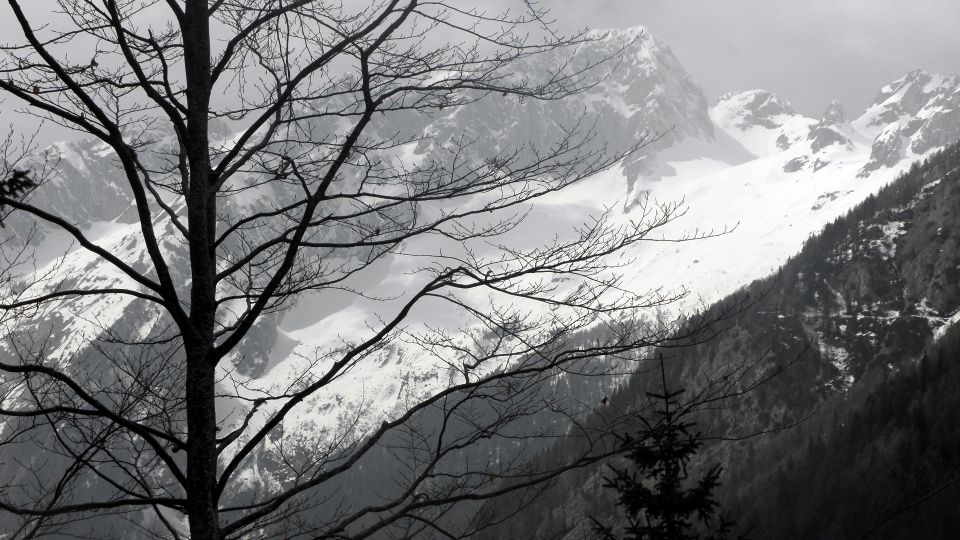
[200, 342]
[201, 449]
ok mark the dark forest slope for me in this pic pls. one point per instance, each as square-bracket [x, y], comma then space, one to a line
[845, 330]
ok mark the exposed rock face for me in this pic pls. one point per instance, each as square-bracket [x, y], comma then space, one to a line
[763, 122]
[834, 113]
[783, 142]
[924, 107]
[909, 95]
[81, 181]
[909, 118]
[823, 136]
[828, 130]
[942, 128]
[646, 95]
[795, 164]
[759, 108]
[887, 150]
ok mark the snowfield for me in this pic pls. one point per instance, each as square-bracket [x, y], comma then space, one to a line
[749, 167]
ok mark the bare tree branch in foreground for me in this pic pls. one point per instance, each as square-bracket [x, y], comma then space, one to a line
[158, 423]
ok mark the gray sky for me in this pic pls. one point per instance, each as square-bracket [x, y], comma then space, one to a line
[807, 51]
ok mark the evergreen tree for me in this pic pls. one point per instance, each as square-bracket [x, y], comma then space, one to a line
[14, 187]
[661, 500]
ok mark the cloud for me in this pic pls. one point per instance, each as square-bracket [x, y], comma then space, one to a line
[810, 52]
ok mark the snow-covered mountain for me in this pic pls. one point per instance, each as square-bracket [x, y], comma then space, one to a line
[749, 163]
[802, 173]
[851, 327]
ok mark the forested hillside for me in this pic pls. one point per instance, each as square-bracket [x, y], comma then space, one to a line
[836, 409]
[883, 463]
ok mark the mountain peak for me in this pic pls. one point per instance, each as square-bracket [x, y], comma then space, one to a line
[916, 89]
[914, 76]
[828, 130]
[632, 32]
[910, 117]
[633, 49]
[633, 40]
[834, 114]
[763, 122]
[641, 91]
[754, 108]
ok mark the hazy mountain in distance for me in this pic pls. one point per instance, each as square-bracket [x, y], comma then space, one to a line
[749, 163]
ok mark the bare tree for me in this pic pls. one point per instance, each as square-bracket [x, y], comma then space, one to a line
[305, 196]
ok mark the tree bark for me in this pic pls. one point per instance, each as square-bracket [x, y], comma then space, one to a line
[201, 450]
[201, 213]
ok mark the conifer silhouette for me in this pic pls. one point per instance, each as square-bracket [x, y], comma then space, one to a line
[659, 498]
[14, 187]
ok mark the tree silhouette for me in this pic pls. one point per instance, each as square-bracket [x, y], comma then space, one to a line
[15, 187]
[161, 417]
[660, 499]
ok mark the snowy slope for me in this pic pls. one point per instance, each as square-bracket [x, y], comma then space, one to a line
[749, 164]
[763, 123]
[771, 204]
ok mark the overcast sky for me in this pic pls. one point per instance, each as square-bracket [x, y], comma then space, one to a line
[807, 51]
